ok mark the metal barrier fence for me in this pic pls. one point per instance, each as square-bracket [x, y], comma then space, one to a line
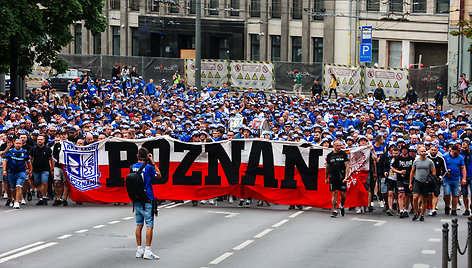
[455, 248]
[351, 79]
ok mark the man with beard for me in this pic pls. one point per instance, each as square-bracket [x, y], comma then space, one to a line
[337, 172]
[440, 167]
[402, 167]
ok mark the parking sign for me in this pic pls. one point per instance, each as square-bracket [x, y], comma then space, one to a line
[365, 53]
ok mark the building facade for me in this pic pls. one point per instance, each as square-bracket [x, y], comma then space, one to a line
[405, 32]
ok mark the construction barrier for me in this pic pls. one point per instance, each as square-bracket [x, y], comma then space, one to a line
[252, 74]
[348, 78]
[214, 71]
[394, 81]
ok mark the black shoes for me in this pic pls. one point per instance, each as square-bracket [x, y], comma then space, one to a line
[402, 215]
[466, 213]
[56, 203]
[421, 218]
[342, 211]
[334, 215]
[453, 213]
[40, 202]
[29, 197]
[415, 217]
[64, 203]
[447, 210]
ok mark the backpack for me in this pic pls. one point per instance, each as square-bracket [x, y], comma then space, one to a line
[135, 186]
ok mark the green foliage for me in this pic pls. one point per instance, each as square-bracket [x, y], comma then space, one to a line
[42, 28]
[465, 29]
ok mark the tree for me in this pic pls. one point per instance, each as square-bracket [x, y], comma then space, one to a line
[465, 29]
[36, 30]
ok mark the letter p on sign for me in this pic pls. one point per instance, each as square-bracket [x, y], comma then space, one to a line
[365, 53]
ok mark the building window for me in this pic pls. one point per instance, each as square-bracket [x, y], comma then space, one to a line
[78, 39]
[255, 47]
[375, 53]
[116, 40]
[97, 44]
[318, 7]
[419, 6]
[275, 47]
[373, 5]
[394, 54]
[192, 7]
[255, 8]
[317, 50]
[173, 9]
[296, 48]
[135, 42]
[396, 5]
[223, 49]
[154, 6]
[297, 9]
[234, 4]
[115, 4]
[214, 8]
[276, 9]
[134, 5]
[442, 6]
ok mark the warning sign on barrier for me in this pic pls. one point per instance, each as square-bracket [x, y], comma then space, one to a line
[348, 78]
[388, 77]
[256, 75]
[214, 72]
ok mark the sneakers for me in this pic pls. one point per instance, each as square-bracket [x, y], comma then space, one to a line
[390, 212]
[45, 201]
[148, 255]
[402, 215]
[248, 203]
[16, 205]
[203, 202]
[300, 207]
[64, 203]
[56, 203]
[466, 213]
[447, 210]
[453, 213]
[29, 196]
[23, 202]
[291, 207]
[415, 217]
[139, 253]
[359, 211]
[370, 209]
[8, 202]
[241, 204]
[381, 203]
[5, 195]
[230, 199]
[334, 215]
[406, 214]
[40, 202]
[194, 203]
[212, 201]
[421, 218]
[342, 211]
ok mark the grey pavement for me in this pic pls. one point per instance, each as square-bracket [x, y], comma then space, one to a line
[102, 235]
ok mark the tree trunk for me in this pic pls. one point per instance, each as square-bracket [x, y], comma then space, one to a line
[14, 89]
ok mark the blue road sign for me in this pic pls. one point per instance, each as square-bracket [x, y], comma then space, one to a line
[366, 35]
[365, 52]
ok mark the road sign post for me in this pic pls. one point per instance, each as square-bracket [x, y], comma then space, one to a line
[365, 53]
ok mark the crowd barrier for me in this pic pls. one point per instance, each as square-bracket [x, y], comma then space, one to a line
[455, 248]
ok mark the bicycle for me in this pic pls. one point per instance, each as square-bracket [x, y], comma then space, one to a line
[456, 96]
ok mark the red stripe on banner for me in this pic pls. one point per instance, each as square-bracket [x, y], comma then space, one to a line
[321, 197]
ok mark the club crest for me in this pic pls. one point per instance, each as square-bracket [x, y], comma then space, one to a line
[81, 165]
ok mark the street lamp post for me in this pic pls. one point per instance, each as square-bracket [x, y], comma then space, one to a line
[198, 44]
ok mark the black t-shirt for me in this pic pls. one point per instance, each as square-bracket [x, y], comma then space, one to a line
[56, 149]
[403, 163]
[41, 156]
[337, 166]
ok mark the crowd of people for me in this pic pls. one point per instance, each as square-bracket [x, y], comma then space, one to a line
[417, 148]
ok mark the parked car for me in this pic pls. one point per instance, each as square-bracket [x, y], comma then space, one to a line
[62, 81]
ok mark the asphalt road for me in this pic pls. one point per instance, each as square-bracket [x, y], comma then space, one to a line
[218, 236]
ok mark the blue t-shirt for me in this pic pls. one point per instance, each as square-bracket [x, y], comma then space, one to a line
[148, 173]
[454, 164]
[16, 160]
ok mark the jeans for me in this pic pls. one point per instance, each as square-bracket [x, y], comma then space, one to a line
[17, 179]
[144, 214]
[40, 177]
[451, 188]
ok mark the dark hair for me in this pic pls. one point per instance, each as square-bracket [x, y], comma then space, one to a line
[455, 147]
[143, 153]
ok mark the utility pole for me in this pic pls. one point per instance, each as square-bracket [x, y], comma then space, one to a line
[198, 44]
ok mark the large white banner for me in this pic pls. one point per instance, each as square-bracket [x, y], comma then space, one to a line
[245, 74]
[393, 81]
[348, 77]
[215, 72]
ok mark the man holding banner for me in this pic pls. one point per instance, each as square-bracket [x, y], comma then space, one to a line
[337, 173]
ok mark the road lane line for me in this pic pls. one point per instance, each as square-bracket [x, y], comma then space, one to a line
[166, 205]
[81, 231]
[221, 258]
[280, 223]
[98, 226]
[377, 222]
[446, 220]
[178, 204]
[428, 251]
[296, 214]
[435, 240]
[438, 229]
[113, 222]
[20, 249]
[228, 214]
[64, 236]
[26, 252]
[307, 208]
[11, 210]
[261, 234]
[243, 244]
[420, 265]
[128, 218]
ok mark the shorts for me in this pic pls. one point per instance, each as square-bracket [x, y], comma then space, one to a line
[421, 188]
[401, 187]
[337, 185]
[451, 188]
[40, 177]
[465, 188]
[59, 175]
[391, 185]
[144, 215]
[383, 186]
[17, 179]
[464, 90]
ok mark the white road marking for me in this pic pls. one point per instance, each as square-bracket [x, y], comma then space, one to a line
[420, 265]
[81, 231]
[435, 240]
[307, 208]
[11, 210]
[295, 214]
[221, 258]
[261, 234]
[428, 251]
[178, 204]
[21, 249]
[28, 251]
[228, 214]
[438, 229]
[64, 236]
[113, 222]
[243, 244]
[377, 222]
[166, 205]
[280, 223]
[98, 226]
[128, 218]
[446, 220]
